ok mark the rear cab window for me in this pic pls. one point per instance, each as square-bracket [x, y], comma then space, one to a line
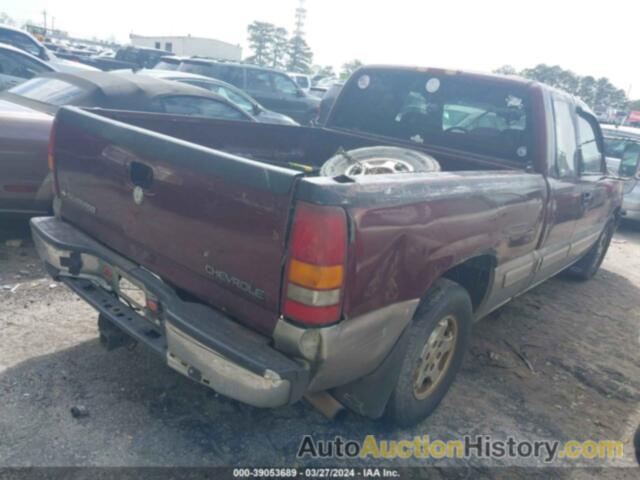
[432, 108]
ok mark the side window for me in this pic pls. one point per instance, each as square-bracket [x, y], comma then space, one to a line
[23, 42]
[127, 55]
[233, 97]
[258, 80]
[19, 66]
[566, 147]
[202, 107]
[591, 155]
[234, 76]
[283, 84]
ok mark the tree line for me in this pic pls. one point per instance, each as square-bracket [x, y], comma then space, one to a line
[273, 47]
[599, 93]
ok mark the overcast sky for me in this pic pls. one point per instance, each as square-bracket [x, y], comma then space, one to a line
[590, 37]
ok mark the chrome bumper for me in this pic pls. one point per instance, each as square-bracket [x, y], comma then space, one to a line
[193, 339]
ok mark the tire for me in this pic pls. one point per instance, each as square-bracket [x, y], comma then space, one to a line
[585, 268]
[395, 160]
[413, 399]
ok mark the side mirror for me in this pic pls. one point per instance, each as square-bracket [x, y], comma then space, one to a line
[43, 54]
[299, 93]
[256, 110]
[630, 163]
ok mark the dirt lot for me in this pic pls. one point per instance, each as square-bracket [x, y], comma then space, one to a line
[581, 341]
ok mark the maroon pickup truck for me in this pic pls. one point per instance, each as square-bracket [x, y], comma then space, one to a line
[343, 264]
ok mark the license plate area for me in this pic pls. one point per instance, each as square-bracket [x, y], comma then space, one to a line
[131, 293]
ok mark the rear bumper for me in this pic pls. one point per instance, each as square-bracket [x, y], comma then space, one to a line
[193, 339]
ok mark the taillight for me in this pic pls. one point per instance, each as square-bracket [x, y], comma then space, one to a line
[314, 276]
[51, 159]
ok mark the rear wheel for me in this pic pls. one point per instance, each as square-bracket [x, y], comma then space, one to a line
[585, 268]
[438, 340]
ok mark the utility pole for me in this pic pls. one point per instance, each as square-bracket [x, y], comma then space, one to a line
[301, 16]
[44, 15]
[53, 25]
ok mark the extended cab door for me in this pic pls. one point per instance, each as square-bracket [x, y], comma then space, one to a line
[565, 206]
[594, 189]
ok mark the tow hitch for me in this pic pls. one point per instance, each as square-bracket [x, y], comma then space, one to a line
[111, 337]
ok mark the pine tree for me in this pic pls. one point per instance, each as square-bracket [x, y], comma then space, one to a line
[279, 48]
[261, 39]
[300, 55]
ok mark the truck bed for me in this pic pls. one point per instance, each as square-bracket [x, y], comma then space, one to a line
[215, 198]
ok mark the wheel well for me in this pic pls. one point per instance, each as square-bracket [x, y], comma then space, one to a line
[474, 275]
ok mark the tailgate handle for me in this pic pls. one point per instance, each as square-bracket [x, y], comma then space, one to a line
[141, 175]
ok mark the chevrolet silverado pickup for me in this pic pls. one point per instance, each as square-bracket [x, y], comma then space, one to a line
[343, 264]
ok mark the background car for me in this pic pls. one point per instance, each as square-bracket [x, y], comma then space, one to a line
[622, 149]
[27, 112]
[169, 62]
[127, 57]
[27, 42]
[273, 89]
[326, 104]
[321, 87]
[226, 90]
[302, 80]
[16, 66]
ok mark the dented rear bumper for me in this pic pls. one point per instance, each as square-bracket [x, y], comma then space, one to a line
[193, 339]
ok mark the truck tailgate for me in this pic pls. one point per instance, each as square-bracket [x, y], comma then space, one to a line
[204, 221]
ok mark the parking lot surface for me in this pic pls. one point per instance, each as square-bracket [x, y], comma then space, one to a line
[560, 362]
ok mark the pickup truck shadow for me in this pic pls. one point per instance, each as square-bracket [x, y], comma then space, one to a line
[558, 363]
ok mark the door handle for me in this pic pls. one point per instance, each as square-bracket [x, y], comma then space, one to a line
[141, 175]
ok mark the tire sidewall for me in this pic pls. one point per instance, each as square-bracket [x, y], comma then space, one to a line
[588, 266]
[446, 298]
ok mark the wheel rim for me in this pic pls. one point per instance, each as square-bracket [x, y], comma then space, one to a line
[379, 166]
[436, 357]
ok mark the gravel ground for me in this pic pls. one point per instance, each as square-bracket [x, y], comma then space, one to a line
[581, 342]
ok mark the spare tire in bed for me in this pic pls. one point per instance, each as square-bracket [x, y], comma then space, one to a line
[378, 161]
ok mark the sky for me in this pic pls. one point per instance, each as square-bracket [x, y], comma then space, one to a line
[590, 37]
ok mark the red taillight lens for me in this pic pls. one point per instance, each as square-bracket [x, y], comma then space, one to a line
[314, 279]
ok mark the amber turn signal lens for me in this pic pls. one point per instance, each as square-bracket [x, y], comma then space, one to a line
[315, 276]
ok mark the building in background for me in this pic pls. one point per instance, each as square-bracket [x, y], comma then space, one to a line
[188, 46]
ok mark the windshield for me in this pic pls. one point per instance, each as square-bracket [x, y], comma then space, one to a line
[49, 90]
[614, 147]
[626, 151]
[443, 110]
[167, 65]
[302, 81]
